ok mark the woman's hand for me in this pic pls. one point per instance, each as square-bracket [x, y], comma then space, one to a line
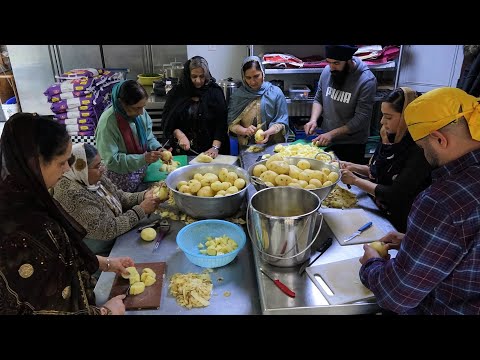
[249, 131]
[116, 305]
[347, 177]
[152, 156]
[212, 152]
[266, 136]
[118, 265]
[149, 204]
[184, 143]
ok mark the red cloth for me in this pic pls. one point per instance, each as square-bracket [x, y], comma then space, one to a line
[131, 143]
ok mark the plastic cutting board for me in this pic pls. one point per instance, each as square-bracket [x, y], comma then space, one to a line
[220, 159]
[153, 172]
[344, 223]
[343, 280]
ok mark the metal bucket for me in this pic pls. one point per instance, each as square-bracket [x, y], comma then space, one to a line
[281, 224]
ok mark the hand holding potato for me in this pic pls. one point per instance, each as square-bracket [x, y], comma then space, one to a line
[369, 253]
[393, 239]
[249, 131]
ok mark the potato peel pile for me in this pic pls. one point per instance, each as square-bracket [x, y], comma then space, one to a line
[191, 290]
[340, 198]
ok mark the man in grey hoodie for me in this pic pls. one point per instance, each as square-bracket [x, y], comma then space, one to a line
[345, 99]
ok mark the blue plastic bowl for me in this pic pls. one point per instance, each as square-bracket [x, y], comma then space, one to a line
[191, 235]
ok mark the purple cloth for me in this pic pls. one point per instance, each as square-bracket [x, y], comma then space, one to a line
[127, 182]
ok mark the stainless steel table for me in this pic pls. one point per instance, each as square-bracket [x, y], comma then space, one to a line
[251, 292]
[238, 276]
[309, 299]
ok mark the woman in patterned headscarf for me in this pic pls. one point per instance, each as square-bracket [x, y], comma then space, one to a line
[96, 203]
[45, 267]
[195, 113]
[398, 170]
[257, 102]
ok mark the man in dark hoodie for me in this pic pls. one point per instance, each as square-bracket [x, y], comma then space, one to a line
[345, 99]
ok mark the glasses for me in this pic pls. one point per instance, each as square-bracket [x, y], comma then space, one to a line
[99, 166]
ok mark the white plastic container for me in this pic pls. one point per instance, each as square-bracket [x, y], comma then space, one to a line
[10, 109]
[298, 92]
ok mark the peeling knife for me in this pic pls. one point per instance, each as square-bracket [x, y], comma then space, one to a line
[359, 231]
[280, 285]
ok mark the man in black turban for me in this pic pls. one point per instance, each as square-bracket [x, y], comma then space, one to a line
[345, 98]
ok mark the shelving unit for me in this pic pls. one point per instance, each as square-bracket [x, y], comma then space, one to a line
[389, 66]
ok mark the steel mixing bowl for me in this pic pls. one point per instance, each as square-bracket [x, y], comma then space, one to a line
[322, 192]
[206, 207]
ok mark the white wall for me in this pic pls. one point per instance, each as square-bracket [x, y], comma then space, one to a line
[224, 60]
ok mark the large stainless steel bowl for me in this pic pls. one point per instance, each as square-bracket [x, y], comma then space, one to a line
[206, 207]
[322, 192]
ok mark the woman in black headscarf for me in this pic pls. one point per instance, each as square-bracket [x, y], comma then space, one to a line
[398, 170]
[195, 113]
[45, 268]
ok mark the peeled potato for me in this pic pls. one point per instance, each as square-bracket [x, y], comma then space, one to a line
[239, 183]
[259, 135]
[134, 278]
[137, 288]
[380, 247]
[204, 158]
[148, 234]
[166, 155]
[131, 270]
[147, 279]
[259, 169]
[149, 271]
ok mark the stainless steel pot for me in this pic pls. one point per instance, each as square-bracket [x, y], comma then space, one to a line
[206, 207]
[229, 86]
[281, 224]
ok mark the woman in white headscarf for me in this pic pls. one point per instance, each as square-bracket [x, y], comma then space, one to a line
[96, 203]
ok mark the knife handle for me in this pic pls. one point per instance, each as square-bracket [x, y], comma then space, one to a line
[366, 226]
[284, 288]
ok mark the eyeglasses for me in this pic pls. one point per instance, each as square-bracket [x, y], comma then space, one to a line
[99, 166]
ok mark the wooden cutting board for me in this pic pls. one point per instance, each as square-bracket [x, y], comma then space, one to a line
[344, 223]
[150, 298]
[220, 159]
[343, 280]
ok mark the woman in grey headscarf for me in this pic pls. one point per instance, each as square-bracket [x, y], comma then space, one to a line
[96, 203]
[258, 103]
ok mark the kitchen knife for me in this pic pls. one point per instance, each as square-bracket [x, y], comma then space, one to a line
[359, 231]
[280, 285]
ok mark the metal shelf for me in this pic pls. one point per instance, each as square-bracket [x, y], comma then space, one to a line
[388, 66]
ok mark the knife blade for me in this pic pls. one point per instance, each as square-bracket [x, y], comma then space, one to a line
[359, 231]
[280, 285]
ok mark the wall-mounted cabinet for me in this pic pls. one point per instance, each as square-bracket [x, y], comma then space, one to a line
[427, 67]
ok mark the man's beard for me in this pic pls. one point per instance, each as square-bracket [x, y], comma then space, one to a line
[338, 77]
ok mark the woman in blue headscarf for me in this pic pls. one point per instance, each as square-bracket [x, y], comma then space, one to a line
[124, 136]
[257, 103]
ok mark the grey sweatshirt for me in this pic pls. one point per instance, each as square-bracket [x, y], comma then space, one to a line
[352, 105]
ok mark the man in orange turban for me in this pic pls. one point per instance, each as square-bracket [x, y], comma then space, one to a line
[436, 268]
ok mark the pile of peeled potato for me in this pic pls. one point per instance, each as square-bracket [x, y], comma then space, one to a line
[277, 172]
[212, 185]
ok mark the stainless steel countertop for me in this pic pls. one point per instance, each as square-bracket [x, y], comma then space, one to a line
[309, 299]
[251, 292]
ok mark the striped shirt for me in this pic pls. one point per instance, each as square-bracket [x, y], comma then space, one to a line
[437, 268]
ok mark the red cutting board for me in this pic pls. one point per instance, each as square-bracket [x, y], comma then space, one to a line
[150, 298]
